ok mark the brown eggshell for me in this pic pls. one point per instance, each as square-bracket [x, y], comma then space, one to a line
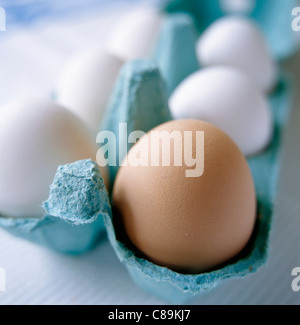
[188, 224]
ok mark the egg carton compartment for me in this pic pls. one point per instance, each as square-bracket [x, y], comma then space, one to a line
[178, 34]
[180, 288]
[272, 16]
[73, 219]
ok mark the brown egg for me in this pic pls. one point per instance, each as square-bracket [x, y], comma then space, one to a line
[189, 218]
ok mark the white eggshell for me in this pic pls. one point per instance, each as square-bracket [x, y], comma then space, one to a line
[85, 85]
[237, 6]
[237, 42]
[227, 98]
[36, 136]
[135, 34]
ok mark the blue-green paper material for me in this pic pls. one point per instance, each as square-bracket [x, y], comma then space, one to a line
[175, 51]
[273, 17]
[73, 220]
[174, 287]
[179, 288]
[78, 201]
[139, 100]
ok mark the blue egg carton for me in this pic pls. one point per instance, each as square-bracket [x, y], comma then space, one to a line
[174, 59]
[78, 213]
[179, 288]
[73, 219]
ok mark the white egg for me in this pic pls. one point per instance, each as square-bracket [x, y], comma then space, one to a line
[227, 98]
[237, 6]
[85, 85]
[238, 42]
[135, 34]
[36, 136]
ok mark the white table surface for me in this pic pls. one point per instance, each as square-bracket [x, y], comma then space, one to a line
[30, 60]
